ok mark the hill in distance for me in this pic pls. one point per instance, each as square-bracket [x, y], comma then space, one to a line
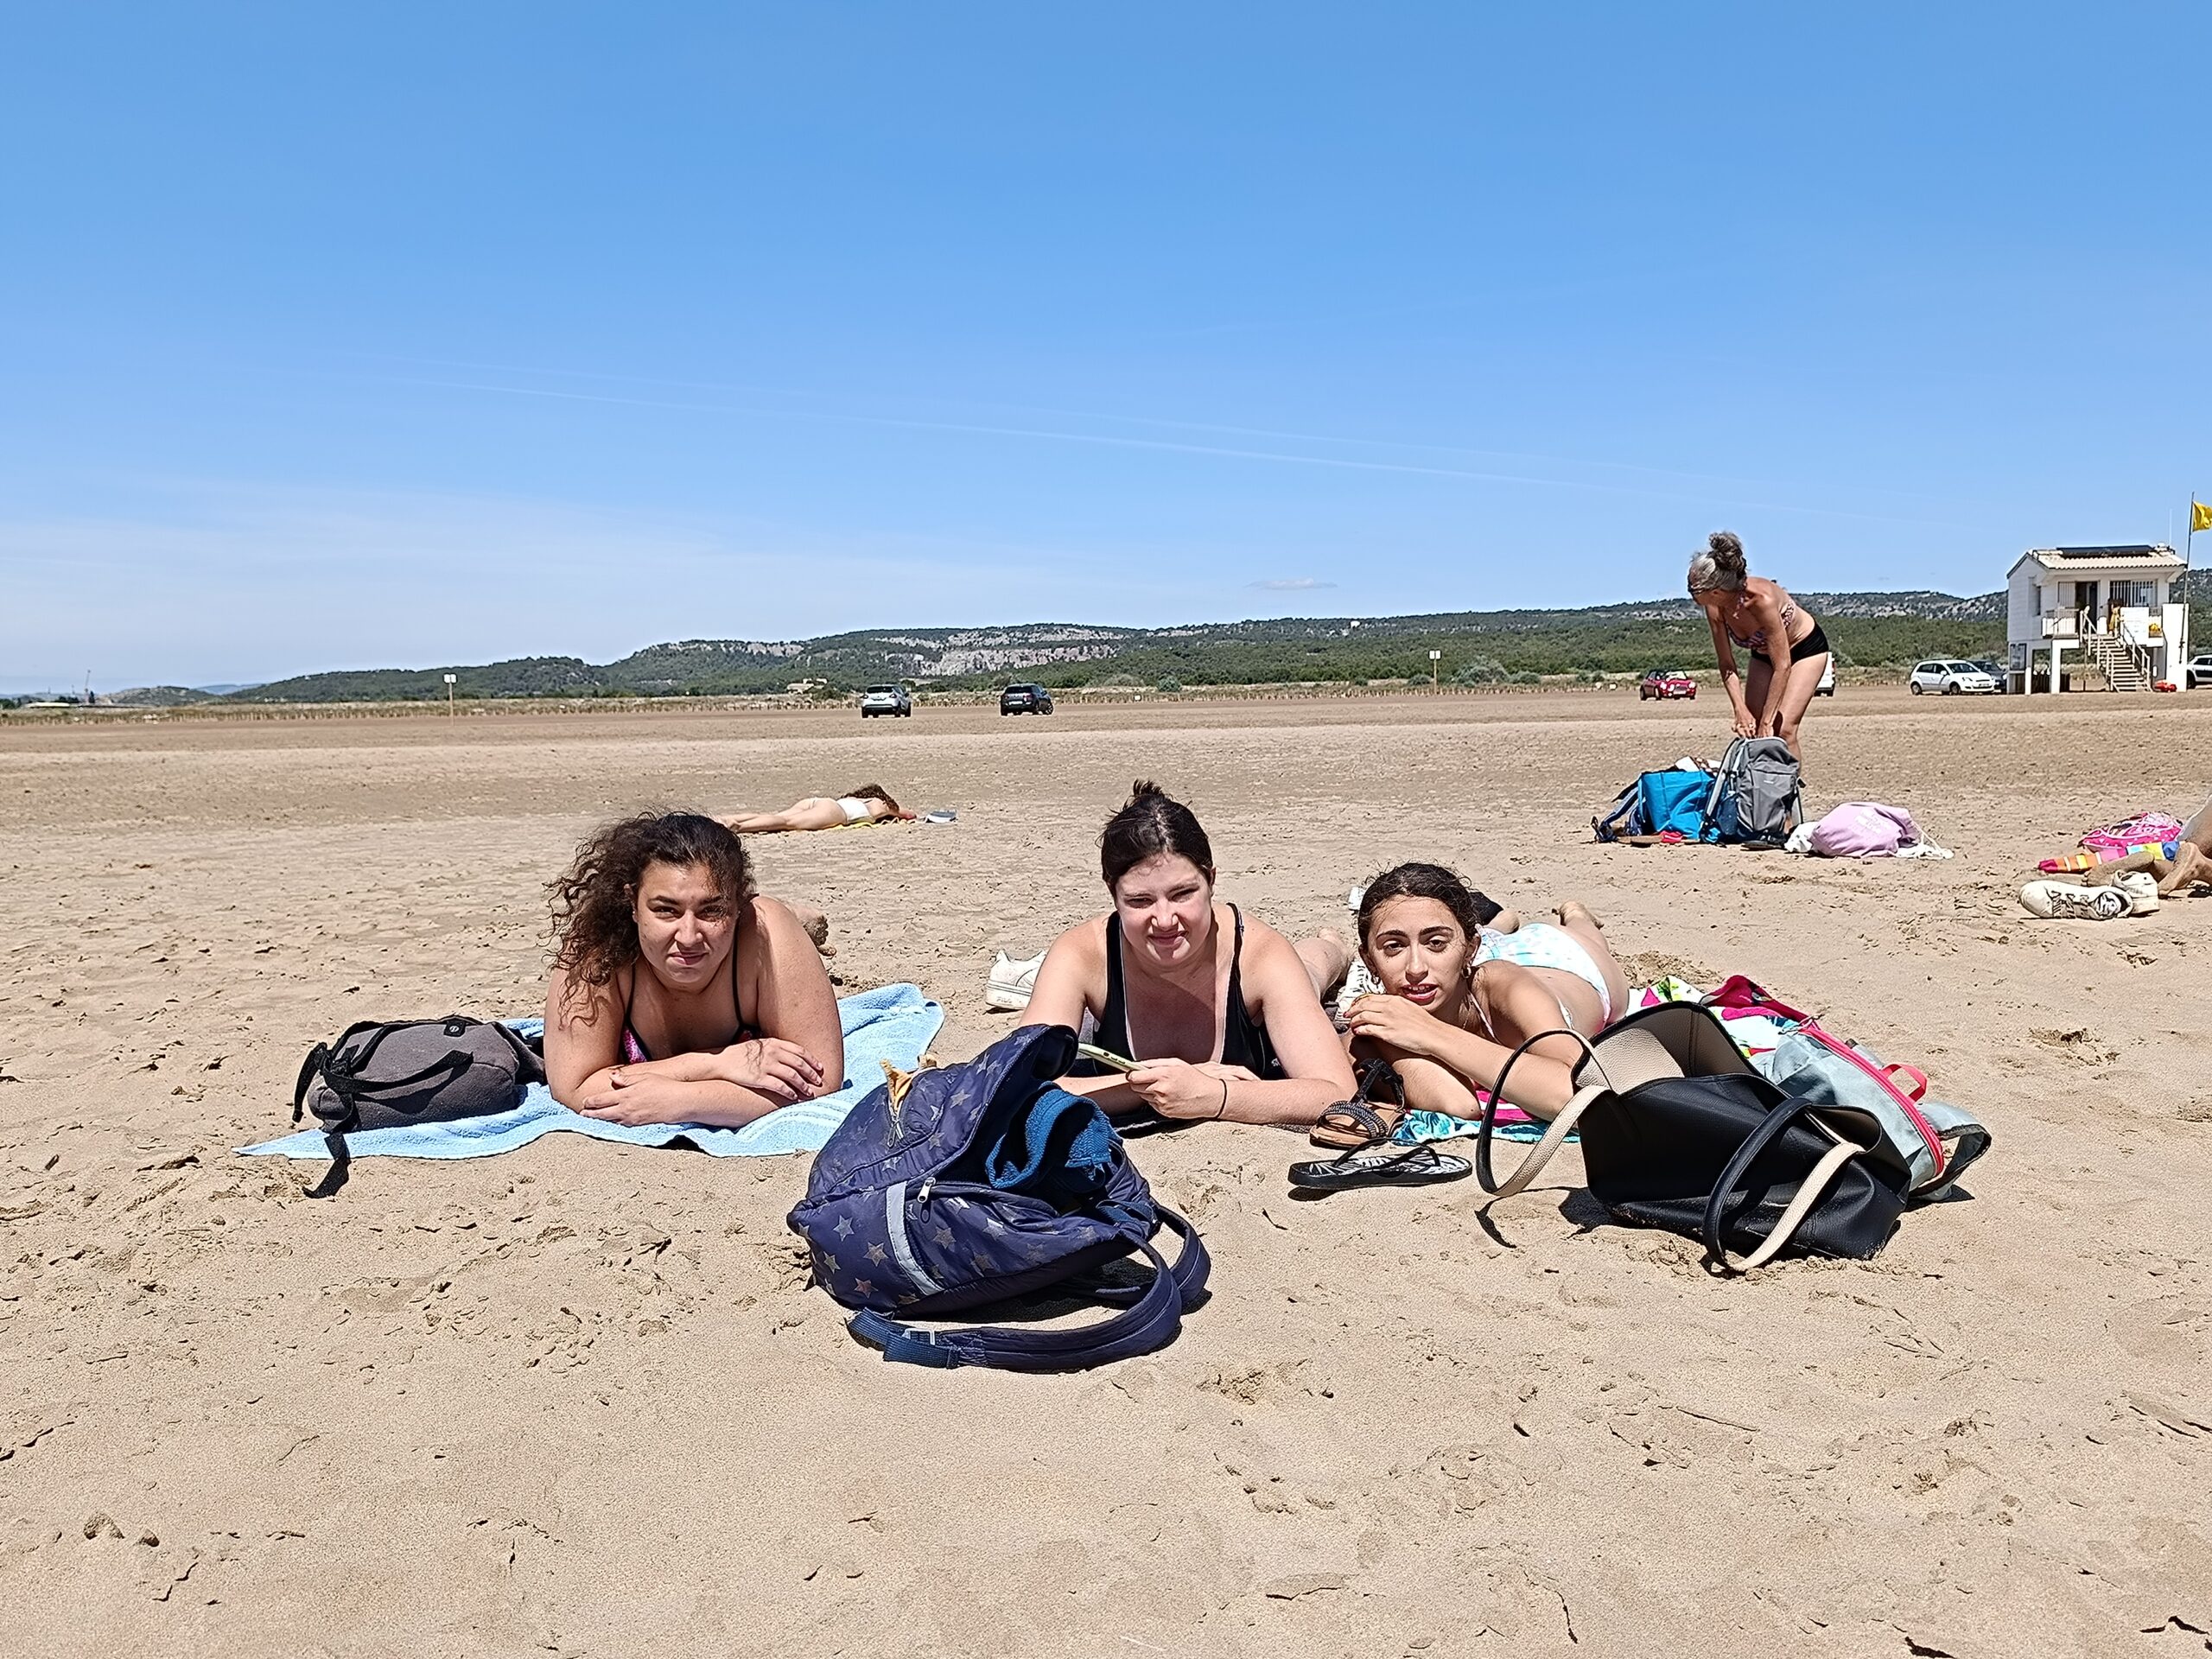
[1868, 629]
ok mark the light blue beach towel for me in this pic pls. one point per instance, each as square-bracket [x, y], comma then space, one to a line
[893, 1023]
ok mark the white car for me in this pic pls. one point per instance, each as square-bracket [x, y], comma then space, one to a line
[2200, 671]
[886, 700]
[1949, 676]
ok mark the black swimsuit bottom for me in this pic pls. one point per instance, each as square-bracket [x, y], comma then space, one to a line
[1243, 1039]
[1814, 644]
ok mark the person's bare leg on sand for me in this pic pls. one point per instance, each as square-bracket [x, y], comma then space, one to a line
[1328, 957]
[2189, 867]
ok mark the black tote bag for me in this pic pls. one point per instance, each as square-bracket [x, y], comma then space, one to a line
[1680, 1132]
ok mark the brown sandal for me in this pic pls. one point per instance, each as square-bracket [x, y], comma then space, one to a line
[1364, 1120]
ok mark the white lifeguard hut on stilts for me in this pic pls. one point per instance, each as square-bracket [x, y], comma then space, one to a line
[2119, 609]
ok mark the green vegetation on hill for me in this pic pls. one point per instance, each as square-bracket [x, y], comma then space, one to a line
[1869, 630]
[521, 676]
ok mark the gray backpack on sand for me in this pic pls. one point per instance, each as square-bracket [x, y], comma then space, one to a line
[1757, 793]
[380, 1076]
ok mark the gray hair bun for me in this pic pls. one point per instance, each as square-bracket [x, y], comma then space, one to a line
[1722, 565]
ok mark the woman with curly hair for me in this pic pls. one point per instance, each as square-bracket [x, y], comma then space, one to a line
[679, 994]
[869, 804]
[1787, 650]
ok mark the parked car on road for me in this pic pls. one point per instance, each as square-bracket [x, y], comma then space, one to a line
[1664, 684]
[1950, 676]
[886, 700]
[1996, 672]
[2200, 671]
[1025, 700]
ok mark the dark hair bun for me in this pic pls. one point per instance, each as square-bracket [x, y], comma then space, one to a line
[1151, 822]
[1727, 549]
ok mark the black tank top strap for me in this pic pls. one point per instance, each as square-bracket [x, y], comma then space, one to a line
[1244, 1039]
[1112, 1033]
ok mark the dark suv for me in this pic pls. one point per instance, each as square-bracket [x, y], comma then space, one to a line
[1025, 700]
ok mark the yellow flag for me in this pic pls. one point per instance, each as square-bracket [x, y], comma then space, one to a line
[2200, 516]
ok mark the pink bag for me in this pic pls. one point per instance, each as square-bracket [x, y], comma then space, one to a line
[1864, 830]
[2145, 830]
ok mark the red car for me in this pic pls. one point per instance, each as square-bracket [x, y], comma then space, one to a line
[1664, 683]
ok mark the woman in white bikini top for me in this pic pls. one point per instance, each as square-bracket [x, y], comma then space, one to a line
[1459, 998]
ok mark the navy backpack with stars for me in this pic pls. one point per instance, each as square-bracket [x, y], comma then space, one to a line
[978, 1183]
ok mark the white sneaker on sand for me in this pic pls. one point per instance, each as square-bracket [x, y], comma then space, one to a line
[2071, 901]
[2142, 890]
[1358, 983]
[1012, 983]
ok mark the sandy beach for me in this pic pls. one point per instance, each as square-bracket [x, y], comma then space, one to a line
[578, 1400]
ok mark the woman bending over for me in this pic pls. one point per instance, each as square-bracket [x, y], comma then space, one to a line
[679, 994]
[869, 804]
[1788, 651]
[1218, 1009]
[1458, 999]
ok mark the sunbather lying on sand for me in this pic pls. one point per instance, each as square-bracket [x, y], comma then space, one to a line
[679, 994]
[1458, 997]
[2189, 866]
[1219, 1010]
[869, 804]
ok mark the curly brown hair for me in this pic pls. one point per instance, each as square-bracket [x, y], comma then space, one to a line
[873, 792]
[595, 916]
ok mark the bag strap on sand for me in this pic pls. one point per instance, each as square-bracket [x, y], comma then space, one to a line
[1147, 1323]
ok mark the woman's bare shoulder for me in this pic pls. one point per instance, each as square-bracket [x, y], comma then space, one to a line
[772, 915]
[1261, 938]
[1084, 943]
[571, 1001]
[1269, 959]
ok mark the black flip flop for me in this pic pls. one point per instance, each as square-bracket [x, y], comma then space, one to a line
[1419, 1165]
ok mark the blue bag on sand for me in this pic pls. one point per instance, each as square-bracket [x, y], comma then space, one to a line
[1620, 818]
[1673, 800]
[976, 1183]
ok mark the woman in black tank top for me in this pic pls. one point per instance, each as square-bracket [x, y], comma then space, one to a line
[1219, 1010]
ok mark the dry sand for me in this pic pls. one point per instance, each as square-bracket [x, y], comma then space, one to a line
[578, 1400]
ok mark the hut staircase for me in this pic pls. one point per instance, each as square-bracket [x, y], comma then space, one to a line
[2126, 667]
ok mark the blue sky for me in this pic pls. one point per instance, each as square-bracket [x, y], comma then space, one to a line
[407, 334]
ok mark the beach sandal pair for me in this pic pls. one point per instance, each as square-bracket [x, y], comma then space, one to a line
[1360, 1130]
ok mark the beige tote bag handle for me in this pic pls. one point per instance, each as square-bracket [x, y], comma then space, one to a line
[1554, 1133]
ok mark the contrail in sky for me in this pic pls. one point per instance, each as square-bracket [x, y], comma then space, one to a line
[1334, 462]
